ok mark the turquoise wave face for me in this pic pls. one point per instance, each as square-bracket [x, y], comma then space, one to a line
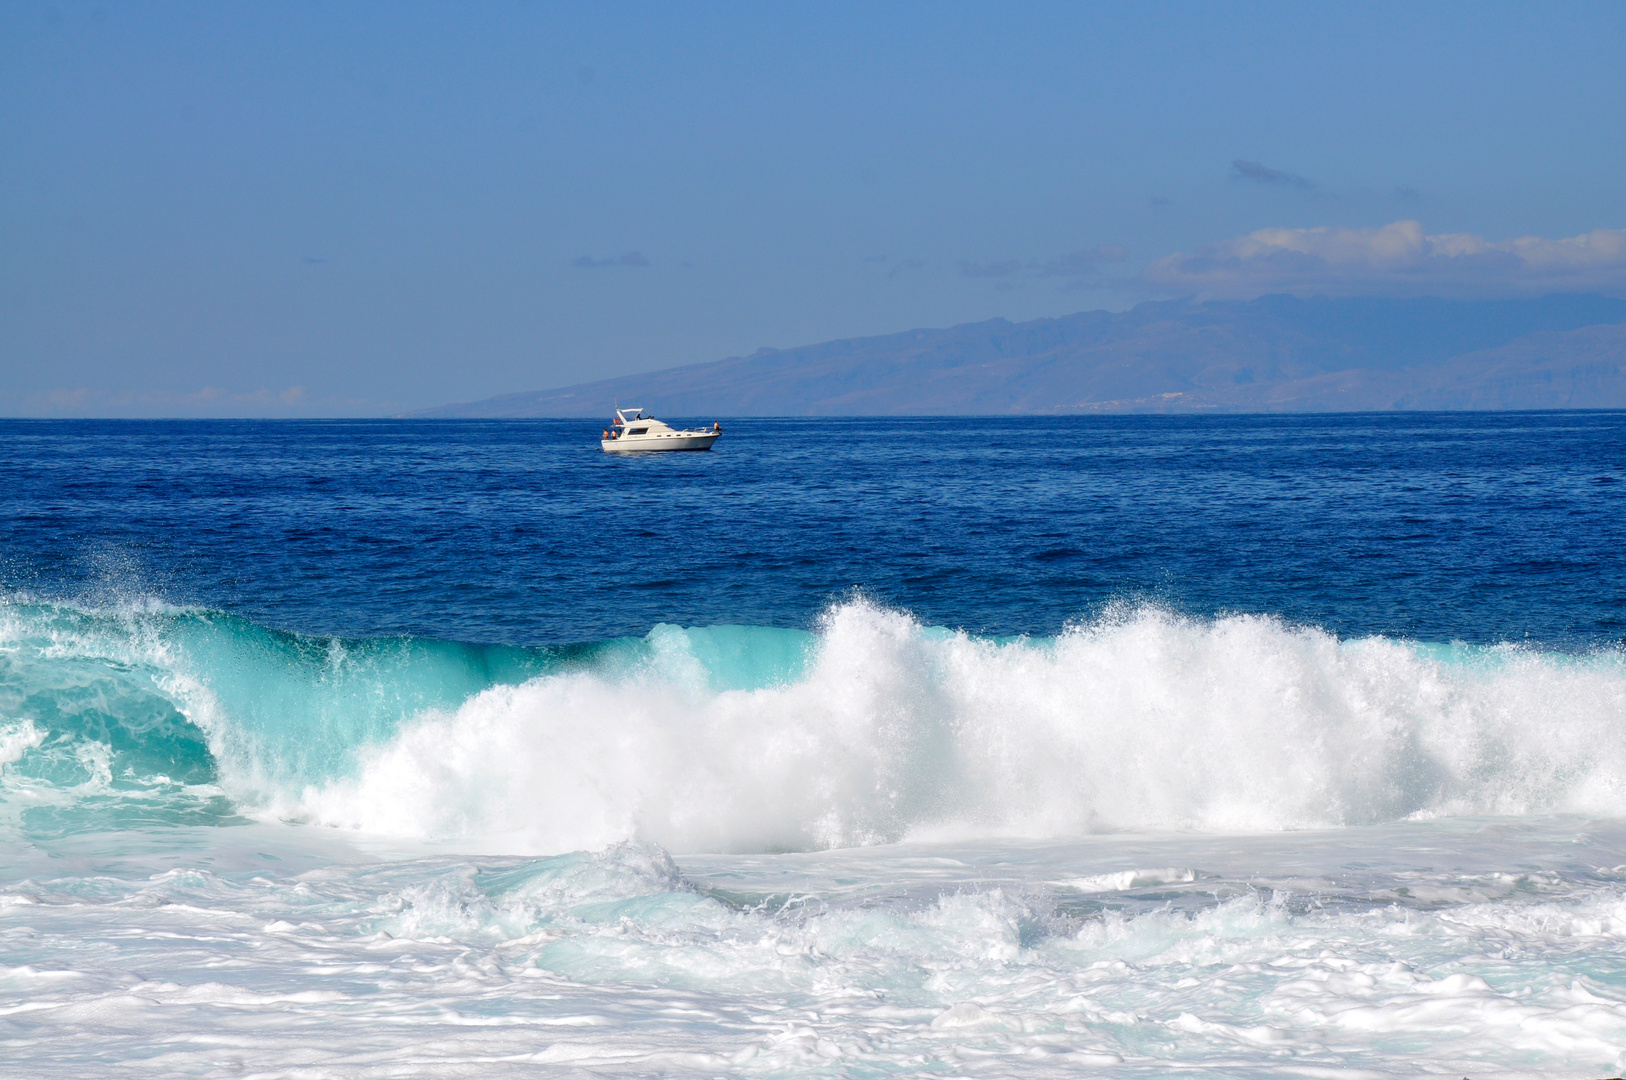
[873, 728]
[126, 717]
[90, 736]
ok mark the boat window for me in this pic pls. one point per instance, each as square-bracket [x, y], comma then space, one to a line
[637, 431]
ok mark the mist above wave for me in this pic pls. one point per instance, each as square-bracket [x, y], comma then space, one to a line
[873, 728]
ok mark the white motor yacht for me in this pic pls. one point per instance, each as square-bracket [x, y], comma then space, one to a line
[633, 430]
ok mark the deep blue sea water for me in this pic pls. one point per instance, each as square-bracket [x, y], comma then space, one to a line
[1453, 526]
[1130, 746]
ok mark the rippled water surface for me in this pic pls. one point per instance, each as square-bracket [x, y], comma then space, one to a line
[1135, 746]
[1479, 527]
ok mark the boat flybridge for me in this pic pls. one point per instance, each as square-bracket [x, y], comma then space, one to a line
[634, 430]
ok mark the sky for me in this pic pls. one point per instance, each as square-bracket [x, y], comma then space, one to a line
[302, 209]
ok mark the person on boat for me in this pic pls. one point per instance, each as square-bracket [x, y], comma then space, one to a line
[715, 426]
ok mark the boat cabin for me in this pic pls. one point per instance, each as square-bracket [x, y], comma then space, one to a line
[633, 422]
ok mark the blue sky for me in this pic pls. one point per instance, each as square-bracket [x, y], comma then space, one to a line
[319, 209]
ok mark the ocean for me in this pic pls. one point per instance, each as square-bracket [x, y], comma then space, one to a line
[1145, 746]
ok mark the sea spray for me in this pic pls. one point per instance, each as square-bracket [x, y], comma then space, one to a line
[1142, 720]
[873, 728]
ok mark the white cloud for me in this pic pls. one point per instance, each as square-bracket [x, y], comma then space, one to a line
[1397, 259]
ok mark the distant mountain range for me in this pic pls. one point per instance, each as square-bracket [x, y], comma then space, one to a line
[1273, 354]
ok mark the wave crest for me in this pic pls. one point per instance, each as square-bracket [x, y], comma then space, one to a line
[1142, 720]
[874, 728]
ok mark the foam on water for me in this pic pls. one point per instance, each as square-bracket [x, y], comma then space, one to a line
[496, 871]
[873, 729]
[250, 953]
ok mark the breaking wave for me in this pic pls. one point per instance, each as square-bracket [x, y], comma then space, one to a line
[869, 729]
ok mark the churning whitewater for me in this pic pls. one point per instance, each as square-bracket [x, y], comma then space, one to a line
[873, 729]
[231, 849]
[1295, 793]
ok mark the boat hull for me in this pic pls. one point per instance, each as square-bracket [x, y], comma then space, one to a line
[636, 444]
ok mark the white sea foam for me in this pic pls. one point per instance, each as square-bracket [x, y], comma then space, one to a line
[1124, 880]
[277, 952]
[17, 738]
[1144, 719]
[873, 729]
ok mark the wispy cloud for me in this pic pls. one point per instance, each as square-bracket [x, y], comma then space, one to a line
[630, 258]
[1262, 174]
[1004, 268]
[1073, 264]
[1082, 262]
[1397, 259]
